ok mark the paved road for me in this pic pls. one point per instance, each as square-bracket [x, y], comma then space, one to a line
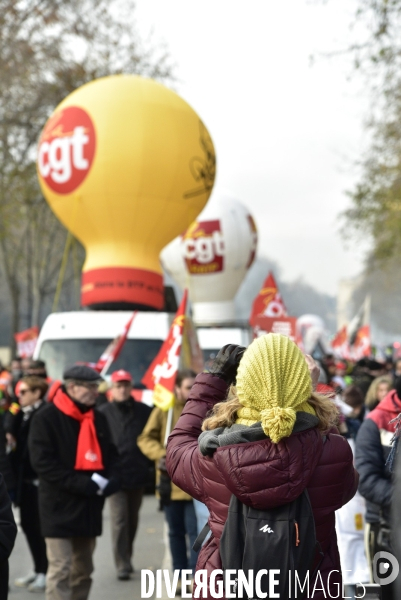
[150, 553]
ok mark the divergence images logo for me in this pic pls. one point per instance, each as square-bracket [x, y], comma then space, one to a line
[385, 568]
[66, 149]
[204, 247]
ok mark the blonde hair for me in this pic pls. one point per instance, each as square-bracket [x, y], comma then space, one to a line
[224, 414]
[371, 400]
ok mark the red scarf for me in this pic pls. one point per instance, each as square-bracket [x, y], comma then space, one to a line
[89, 454]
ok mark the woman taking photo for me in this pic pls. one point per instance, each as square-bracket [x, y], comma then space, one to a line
[265, 440]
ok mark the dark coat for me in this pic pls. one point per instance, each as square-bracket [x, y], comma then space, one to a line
[68, 503]
[396, 519]
[18, 425]
[5, 464]
[371, 451]
[261, 474]
[126, 421]
[8, 533]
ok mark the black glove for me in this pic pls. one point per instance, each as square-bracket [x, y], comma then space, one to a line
[112, 487]
[164, 488]
[226, 363]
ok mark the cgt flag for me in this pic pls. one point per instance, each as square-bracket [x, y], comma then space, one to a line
[161, 375]
[359, 332]
[340, 344]
[113, 349]
[361, 346]
[26, 341]
[268, 303]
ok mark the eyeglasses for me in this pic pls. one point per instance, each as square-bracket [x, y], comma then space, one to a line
[22, 392]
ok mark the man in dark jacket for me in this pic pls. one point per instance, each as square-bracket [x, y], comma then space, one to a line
[375, 484]
[77, 463]
[126, 419]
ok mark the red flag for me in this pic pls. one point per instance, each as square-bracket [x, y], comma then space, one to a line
[340, 343]
[361, 319]
[361, 346]
[113, 349]
[26, 341]
[161, 375]
[268, 303]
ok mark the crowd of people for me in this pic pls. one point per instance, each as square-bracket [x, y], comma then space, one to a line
[66, 447]
[264, 425]
[367, 394]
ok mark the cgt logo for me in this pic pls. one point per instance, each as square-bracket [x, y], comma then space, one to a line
[66, 149]
[203, 248]
[91, 456]
[274, 306]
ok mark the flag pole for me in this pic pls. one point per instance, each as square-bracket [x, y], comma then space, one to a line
[119, 343]
[171, 410]
[168, 424]
[368, 309]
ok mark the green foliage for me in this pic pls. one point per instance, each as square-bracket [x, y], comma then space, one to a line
[376, 200]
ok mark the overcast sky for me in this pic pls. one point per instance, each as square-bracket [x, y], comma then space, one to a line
[286, 134]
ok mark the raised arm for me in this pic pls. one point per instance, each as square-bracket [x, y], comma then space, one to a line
[182, 457]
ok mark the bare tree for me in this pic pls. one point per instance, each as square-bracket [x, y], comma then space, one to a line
[48, 48]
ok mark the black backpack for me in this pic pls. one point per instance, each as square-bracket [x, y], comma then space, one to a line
[281, 538]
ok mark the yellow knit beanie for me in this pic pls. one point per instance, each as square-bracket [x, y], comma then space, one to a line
[273, 383]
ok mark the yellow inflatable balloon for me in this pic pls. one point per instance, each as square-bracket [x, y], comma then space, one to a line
[126, 165]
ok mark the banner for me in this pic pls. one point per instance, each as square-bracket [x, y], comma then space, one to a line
[161, 375]
[340, 344]
[284, 325]
[113, 349]
[268, 303]
[26, 341]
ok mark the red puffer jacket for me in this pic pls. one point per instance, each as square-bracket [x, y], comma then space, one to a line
[263, 475]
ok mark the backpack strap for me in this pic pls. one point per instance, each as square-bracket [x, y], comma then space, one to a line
[318, 547]
[201, 538]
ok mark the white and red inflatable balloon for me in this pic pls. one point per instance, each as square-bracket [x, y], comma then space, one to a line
[212, 257]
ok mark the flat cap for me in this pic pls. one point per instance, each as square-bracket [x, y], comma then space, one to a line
[82, 373]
